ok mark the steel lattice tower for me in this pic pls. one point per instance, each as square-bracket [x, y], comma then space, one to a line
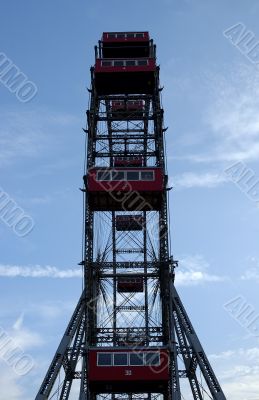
[130, 337]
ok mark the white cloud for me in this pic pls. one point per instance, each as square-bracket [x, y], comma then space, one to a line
[20, 136]
[194, 262]
[189, 278]
[37, 271]
[27, 134]
[26, 339]
[14, 383]
[232, 119]
[45, 199]
[18, 323]
[22, 336]
[238, 372]
[252, 271]
[193, 270]
[251, 274]
[190, 180]
[10, 386]
[51, 309]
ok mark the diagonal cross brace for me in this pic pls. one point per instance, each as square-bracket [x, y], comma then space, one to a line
[57, 361]
[196, 346]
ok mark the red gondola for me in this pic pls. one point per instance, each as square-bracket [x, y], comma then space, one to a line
[112, 37]
[128, 161]
[125, 44]
[115, 370]
[134, 284]
[124, 76]
[129, 222]
[131, 109]
[122, 189]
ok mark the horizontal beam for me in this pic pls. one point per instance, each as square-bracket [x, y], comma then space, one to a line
[122, 153]
[135, 137]
[112, 119]
[127, 275]
[125, 265]
[125, 97]
[132, 329]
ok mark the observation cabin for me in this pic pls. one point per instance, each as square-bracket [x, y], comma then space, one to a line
[129, 223]
[145, 369]
[125, 44]
[128, 161]
[122, 189]
[132, 284]
[129, 109]
[125, 63]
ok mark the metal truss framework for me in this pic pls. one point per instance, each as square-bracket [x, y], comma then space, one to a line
[103, 317]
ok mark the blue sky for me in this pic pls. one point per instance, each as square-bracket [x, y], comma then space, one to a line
[211, 106]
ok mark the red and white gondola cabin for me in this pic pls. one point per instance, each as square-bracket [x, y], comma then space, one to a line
[115, 370]
[131, 109]
[128, 161]
[115, 37]
[129, 222]
[125, 44]
[124, 75]
[132, 284]
[120, 189]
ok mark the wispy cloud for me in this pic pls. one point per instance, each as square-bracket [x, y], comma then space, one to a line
[190, 278]
[231, 120]
[49, 310]
[194, 270]
[238, 372]
[24, 337]
[252, 271]
[252, 274]
[44, 199]
[234, 117]
[10, 386]
[27, 134]
[37, 271]
[194, 262]
[21, 340]
[189, 180]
